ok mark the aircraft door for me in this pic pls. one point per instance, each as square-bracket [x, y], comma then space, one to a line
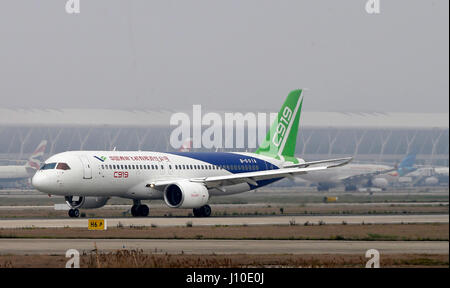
[87, 169]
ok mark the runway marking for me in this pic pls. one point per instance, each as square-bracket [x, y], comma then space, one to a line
[126, 207]
[215, 221]
[60, 246]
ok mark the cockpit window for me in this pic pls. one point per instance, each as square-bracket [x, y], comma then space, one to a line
[48, 166]
[62, 166]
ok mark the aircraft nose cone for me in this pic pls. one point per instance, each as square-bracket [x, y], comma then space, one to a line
[39, 182]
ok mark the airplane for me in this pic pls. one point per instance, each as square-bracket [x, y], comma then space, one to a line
[427, 176]
[356, 174]
[183, 180]
[14, 173]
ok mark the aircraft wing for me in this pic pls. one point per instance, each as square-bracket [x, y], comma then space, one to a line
[365, 176]
[250, 177]
[338, 161]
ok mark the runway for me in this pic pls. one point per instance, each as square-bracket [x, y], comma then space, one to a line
[126, 207]
[60, 246]
[215, 221]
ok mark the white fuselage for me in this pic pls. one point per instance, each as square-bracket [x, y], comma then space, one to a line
[128, 174]
[13, 173]
[430, 171]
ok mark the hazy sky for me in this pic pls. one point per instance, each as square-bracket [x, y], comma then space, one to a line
[228, 54]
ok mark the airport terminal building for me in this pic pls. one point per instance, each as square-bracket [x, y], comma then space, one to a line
[369, 137]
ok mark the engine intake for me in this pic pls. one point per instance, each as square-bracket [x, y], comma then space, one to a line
[186, 194]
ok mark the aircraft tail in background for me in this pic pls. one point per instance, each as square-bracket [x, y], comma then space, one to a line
[407, 164]
[36, 158]
[186, 146]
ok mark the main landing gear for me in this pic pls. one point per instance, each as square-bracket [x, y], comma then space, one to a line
[74, 213]
[139, 210]
[204, 211]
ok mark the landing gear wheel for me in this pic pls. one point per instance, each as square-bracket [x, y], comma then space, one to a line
[134, 210]
[196, 212]
[204, 211]
[74, 213]
[143, 210]
[140, 210]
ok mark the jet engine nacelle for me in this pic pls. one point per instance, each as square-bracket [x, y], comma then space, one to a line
[380, 183]
[431, 181]
[90, 202]
[186, 194]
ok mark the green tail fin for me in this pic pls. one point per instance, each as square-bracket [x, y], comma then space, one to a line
[280, 141]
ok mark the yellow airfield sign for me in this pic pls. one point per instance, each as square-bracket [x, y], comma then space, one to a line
[97, 224]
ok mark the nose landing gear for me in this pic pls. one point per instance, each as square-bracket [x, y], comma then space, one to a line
[74, 213]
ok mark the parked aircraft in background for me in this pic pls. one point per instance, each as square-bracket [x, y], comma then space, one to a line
[355, 175]
[427, 176]
[88, 179]
[14, 173]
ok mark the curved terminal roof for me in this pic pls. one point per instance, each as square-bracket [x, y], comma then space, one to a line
[145, 118]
